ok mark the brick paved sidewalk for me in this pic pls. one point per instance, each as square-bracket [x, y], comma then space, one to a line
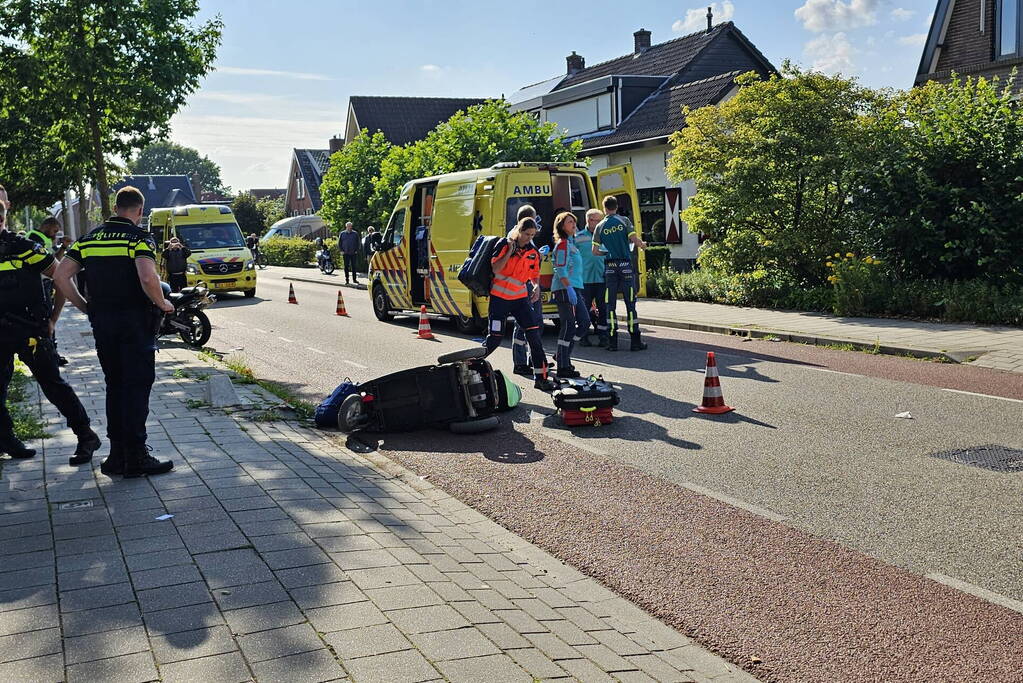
[995, 347]
[288, 558]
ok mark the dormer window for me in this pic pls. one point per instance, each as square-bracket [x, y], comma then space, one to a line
[584, 116]
[1008, 21]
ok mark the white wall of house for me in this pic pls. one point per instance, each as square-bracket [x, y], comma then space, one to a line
[648, 166]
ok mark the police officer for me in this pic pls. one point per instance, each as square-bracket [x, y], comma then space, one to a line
[27, 319]
[44, 235]
[119, 262]
[615, 233]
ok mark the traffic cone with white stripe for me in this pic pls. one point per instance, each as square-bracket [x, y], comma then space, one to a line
[291, 294]
[713, 399]
[424, 325]
[341, 305]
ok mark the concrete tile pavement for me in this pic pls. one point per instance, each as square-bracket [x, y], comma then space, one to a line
[288, 558]
[995, 347]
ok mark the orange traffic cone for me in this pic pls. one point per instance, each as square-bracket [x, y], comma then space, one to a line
[341, 305]
[424, 325]
[713, 400]
[291, 294]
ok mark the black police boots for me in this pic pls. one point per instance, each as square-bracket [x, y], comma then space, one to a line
[139, 463]
[114, 463]
[12, 446]
[88, 443]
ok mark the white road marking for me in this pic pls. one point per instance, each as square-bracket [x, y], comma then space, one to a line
[259, 330]
[973, 393]
[834, 372]
[735, 502]
[358, 365]
[309, 348]
[285, 339]
[239, 322]
[977, 591]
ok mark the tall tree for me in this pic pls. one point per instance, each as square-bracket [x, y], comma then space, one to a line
[167, 158]
[246, 212]
[347, 188]
[113, 71]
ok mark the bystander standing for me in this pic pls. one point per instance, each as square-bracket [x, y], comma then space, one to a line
[348, 243]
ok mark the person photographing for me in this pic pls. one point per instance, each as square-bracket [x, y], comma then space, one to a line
[124, 303]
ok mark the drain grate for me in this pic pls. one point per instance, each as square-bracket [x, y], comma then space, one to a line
[990, 457]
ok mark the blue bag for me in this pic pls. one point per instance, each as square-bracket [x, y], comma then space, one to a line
[326, 412]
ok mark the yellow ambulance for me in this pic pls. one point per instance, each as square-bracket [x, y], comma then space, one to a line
[436, 220]
[219, 257]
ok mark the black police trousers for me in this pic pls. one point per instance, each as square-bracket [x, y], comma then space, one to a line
[41, 359]
[126, 346]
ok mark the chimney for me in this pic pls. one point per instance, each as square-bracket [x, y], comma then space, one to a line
[710, 19]
[642, 37]
[336, 144]
[576, 63]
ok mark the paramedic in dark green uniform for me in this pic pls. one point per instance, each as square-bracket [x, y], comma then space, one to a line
[615, 233]
[119, 262]
[27, 319]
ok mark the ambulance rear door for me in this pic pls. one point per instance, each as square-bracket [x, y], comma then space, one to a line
[451, 236]
[619, 181]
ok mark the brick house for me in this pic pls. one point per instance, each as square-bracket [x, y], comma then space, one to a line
[308, 166]
[973, 38]
[624, 110]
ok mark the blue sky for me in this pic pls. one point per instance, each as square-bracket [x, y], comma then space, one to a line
[286, 69]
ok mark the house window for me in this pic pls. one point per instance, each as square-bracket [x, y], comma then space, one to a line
[1008, 27]
[651, 208]
[299, 188]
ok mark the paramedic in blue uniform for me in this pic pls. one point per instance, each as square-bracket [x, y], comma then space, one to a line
[118, 259]
[515, 263]
[593, 277]
[615, 233]
[567, 290]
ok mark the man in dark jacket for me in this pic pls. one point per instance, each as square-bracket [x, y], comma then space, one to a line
[348, 243]
[371, 244]
[176, 257]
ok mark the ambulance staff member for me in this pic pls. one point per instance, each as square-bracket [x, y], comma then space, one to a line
[615, 233]
[517, 262]
[519, 356]
[593, 277]
[567, 288]
[27, 319]
[119, 262]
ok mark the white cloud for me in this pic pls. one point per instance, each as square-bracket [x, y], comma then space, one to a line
[902, 14]
[835, 15]
[296, 75]
[696, 18]
[832, 54]
[915, 40]
[231, 97]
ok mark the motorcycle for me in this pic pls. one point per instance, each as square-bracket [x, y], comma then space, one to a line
[325, 261]
[188, 319]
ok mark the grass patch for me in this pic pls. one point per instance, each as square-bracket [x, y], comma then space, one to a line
[196, 403]
[268, 416]
[238, 364]
[27, 421]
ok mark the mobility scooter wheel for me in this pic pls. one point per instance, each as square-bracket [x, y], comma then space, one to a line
[352, 415]
[484, 424]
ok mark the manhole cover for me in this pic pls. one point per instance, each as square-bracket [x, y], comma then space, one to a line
[995, 458]
[75, 505]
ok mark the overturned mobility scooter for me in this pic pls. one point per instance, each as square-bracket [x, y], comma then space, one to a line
[462, 393]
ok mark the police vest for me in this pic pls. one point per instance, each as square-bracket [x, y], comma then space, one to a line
[42, 238]
[23, 301]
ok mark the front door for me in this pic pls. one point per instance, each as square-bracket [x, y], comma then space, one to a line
[619, 181]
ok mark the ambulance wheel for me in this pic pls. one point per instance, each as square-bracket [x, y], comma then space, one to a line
[380, 307]
[475, 426]
[249, 293]
[469, 325]
[464, 354]
[351, 416]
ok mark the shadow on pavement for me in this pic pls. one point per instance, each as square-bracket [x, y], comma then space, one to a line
[236, 300]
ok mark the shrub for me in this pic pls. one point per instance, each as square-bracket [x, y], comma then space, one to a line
[658, 258]
[861, 287]
[288, 251]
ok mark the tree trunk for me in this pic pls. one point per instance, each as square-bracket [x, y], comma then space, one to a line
[83, 209]
[99, 163]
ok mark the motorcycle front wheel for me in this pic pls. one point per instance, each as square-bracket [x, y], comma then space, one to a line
[199, 328]
[327, 267]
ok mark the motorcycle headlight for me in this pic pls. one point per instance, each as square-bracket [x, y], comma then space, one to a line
[250, 265]
[192, 269]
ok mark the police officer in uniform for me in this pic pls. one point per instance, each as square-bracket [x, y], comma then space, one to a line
[124, 299]
[27, 319]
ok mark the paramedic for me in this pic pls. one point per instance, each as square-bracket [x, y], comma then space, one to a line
[567, 288]
[615, 233]
[516, 263]
[519, 356]
[593, 277]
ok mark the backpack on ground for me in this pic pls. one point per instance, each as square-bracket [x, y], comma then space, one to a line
[326, 412]
[477, 272]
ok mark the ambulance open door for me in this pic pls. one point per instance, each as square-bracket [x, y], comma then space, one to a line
[619, 181]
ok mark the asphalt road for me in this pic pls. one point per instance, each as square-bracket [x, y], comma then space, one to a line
[814, 444]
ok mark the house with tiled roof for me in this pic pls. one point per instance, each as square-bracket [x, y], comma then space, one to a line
[308, 166]
[402, 119]
[625, 109]
[973, 38]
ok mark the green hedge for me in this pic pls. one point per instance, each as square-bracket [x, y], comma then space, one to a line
[658, 258]
[298, 252]
[973, 301]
